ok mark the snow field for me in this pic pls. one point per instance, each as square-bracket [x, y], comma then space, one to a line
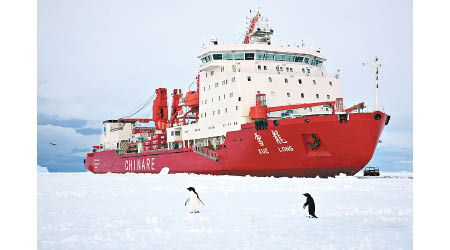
[145, 211]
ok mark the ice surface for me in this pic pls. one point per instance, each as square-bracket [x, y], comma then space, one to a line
[145, 211]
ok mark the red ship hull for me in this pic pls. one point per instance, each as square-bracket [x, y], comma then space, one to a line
[321, 145]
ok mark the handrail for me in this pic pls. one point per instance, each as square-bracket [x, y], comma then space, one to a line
[205, 152]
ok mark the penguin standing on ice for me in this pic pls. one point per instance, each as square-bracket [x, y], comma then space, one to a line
[311, 206]
[193, 200]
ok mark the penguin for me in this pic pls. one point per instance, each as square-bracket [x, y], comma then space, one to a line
[193, 200]
[311, 206]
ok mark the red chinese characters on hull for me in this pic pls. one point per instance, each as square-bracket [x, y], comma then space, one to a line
[322, 145]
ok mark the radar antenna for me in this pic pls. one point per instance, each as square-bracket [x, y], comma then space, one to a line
[374, 66]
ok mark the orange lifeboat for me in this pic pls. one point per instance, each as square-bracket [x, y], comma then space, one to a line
[192, 99]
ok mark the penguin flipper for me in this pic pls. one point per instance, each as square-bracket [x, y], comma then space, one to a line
[201, 201]
[186, 201]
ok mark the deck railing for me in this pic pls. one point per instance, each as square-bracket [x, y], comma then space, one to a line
[206, 152]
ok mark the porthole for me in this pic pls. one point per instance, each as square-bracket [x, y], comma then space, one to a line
[377, 117]
[276, 123]
[307, 120]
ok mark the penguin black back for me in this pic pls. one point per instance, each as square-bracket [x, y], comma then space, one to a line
[311, 205]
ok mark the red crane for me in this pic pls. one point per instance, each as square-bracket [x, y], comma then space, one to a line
[160, 111]
[176, 108]
[251, 28]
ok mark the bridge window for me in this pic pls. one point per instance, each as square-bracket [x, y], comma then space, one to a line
[288, 94]
[317, 96]
[239, 56]
[233, 79]
[265, 67]
[217, 56]
[269, 57]
[302, 95]
[259, 67]
[290, 58]
[328, 96]
[216, 85]
[249, 78]
[306, 60]
[299, 59]
[280, 57]
[331, 84]
[228, 56]
[249, 56]
[285, 80]
[314, 82]
[303, 70]
[299, 81]
[270, 79]
[260, 56]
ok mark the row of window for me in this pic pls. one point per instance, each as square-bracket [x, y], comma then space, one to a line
[224, 82]
[302, 95]
[203, 115]
[249, 78]
[212, 98]
[176, 132]
[264, 56]
[288, 69]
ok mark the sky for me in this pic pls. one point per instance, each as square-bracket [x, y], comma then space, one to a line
[98, 60]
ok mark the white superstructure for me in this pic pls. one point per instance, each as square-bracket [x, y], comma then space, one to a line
[232, 75]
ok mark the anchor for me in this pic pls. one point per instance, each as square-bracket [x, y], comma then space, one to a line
[316, 144]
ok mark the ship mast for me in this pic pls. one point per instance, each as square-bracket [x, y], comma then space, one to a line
[258, 30]
[374, 66]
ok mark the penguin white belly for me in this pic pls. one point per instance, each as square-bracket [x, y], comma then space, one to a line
[193, 201]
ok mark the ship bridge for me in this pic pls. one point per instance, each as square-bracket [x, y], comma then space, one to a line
[217, 54]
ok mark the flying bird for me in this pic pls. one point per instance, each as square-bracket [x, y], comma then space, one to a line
[53, 144]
